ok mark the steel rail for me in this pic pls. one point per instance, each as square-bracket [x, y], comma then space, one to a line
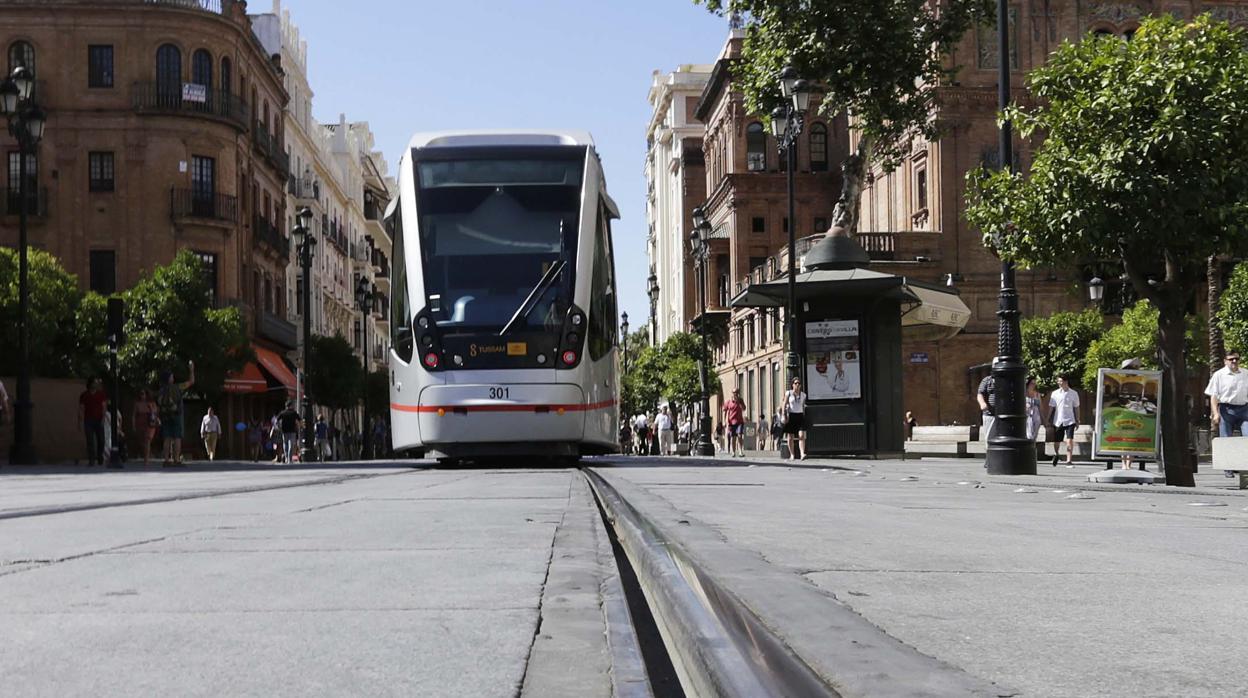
[717, 645]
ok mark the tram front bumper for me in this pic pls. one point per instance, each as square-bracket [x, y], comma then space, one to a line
[516, 413]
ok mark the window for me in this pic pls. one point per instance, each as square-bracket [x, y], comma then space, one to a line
[201, 68]
[920, 188]
[169, 71]
[23, 54]
[227, 75]
[784, 224]
[821, 225]
[749, 394]
[100, 166]
[104, 271]
[209, 262]
[758, 224]
[755, 147]
[268, 294]
[818, 148]
[602, 310]
[100, 66]
[15, 183]
[400, 316]
[203, 185]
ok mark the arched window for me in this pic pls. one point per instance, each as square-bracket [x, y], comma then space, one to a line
[818, 148]
[201, 68]
[227, 75]
[21, 53]
[169, 71]
[755, 147]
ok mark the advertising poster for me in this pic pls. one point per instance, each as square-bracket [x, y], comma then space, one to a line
[833, 360]
[1126, 413]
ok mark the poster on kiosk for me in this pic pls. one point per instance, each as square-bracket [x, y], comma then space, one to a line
[833, 360]
[1127, 403]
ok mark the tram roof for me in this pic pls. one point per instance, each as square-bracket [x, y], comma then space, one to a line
[499, 137]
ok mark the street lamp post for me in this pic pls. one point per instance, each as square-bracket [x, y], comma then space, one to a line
[307, 245]
[700, 243]
[786, 126]
[1010, 452]
[26, 122]
[364, 294]
[652, 290]
[624, 334]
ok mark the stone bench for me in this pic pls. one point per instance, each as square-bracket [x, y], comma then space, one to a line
[1231, 454]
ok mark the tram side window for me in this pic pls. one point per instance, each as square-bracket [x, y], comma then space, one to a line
[400, 314]
[602, 305]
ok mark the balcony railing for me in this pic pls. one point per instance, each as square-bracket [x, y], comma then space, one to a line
[266, 233]
[216, 7]
[268, 145]
[373, 212]
[156, 98]
[36, 203]
[881, 246]
[188, 203]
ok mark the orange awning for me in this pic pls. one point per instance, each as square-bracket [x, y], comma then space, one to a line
[276, 367]
[248, 380]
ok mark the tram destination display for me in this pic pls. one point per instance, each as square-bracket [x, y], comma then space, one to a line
[833, 360]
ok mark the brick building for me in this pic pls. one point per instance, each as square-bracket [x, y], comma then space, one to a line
[911, 221]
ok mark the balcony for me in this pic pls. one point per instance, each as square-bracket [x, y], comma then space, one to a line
[154, 98]
[187, 203]
[265, 233]
[269, 146]
[216, 7]
[879, 246]
[36, 203]
[277, 329]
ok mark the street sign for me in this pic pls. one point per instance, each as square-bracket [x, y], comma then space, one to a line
[918, 357]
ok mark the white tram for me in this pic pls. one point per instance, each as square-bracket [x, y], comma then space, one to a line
[503, 309]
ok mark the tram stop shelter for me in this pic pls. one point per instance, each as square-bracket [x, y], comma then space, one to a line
[849, 326]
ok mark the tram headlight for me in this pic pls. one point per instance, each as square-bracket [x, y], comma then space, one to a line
[578, 319]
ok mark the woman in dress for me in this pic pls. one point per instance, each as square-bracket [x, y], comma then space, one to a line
[1033, 409]
[146, 420]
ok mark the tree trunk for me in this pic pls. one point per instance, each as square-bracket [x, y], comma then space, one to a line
[1214, 280]
[853, 178]
[1174, 414]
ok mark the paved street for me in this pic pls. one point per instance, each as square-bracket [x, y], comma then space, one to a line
[400, 581]
[361, 582]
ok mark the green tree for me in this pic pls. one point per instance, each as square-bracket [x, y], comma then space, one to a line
[170, 321]
[1232, 317]
[680, 378]
[91, 336]
[643, 382]
[1057, 345]
[1144, 159]
[1136, 338]
[880, 62]
[54, 301]
[335, 376]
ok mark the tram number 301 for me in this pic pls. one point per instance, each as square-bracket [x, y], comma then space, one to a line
[500, 393]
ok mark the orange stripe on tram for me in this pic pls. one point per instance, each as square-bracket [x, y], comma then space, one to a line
[501, 408]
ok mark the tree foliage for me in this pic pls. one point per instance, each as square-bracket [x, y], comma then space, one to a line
[1232, 316]
[335, 376]
[54, 301]
[170, 321]
[1136, 338]
[880, 62]
[669, 372]
[1057, 345]
[1144, 159]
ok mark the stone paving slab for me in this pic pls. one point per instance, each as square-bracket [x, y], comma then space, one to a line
[1131, 593]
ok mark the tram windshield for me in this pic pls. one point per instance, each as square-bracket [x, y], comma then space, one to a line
[498, 241]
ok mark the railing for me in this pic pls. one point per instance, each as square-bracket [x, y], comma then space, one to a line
[373, 212]
[261, 138]
[216, 7]
[36, 203]
[267, 233]
[156, 98]
[881, 246]
[304, 187]
[187, 203]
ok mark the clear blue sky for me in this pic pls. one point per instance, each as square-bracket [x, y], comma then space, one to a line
[416, 65]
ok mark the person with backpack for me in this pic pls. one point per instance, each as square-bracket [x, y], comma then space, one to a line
[172, 415]
[289, 421]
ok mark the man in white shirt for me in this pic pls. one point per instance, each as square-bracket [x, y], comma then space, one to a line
[1228, 396]
[1064, 415]
[641, 427]
[663, 423]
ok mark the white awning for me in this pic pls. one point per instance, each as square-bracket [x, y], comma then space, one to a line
[939, 313]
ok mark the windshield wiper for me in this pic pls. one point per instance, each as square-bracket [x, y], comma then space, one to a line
[531, 301]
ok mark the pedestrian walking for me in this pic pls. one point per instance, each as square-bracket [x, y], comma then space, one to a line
[255, 440]
[641, 425]
[145, 420]
[380, 438]
[986, 395]
[92, 405]
[762, 432]
[795, 419]
[684, 431]
[210, 432]
[172, 413]
[1228, 396]
[1064, 415]
[288, 422]
[777, 427]
[719, 436]
[667, 433]
[734, 415]
[626, 436]
[321, 431]
[1034, 414]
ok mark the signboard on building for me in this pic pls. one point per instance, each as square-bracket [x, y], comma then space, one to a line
[833, 360]
[1127, 403]
[194, 93]
[918, 357]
